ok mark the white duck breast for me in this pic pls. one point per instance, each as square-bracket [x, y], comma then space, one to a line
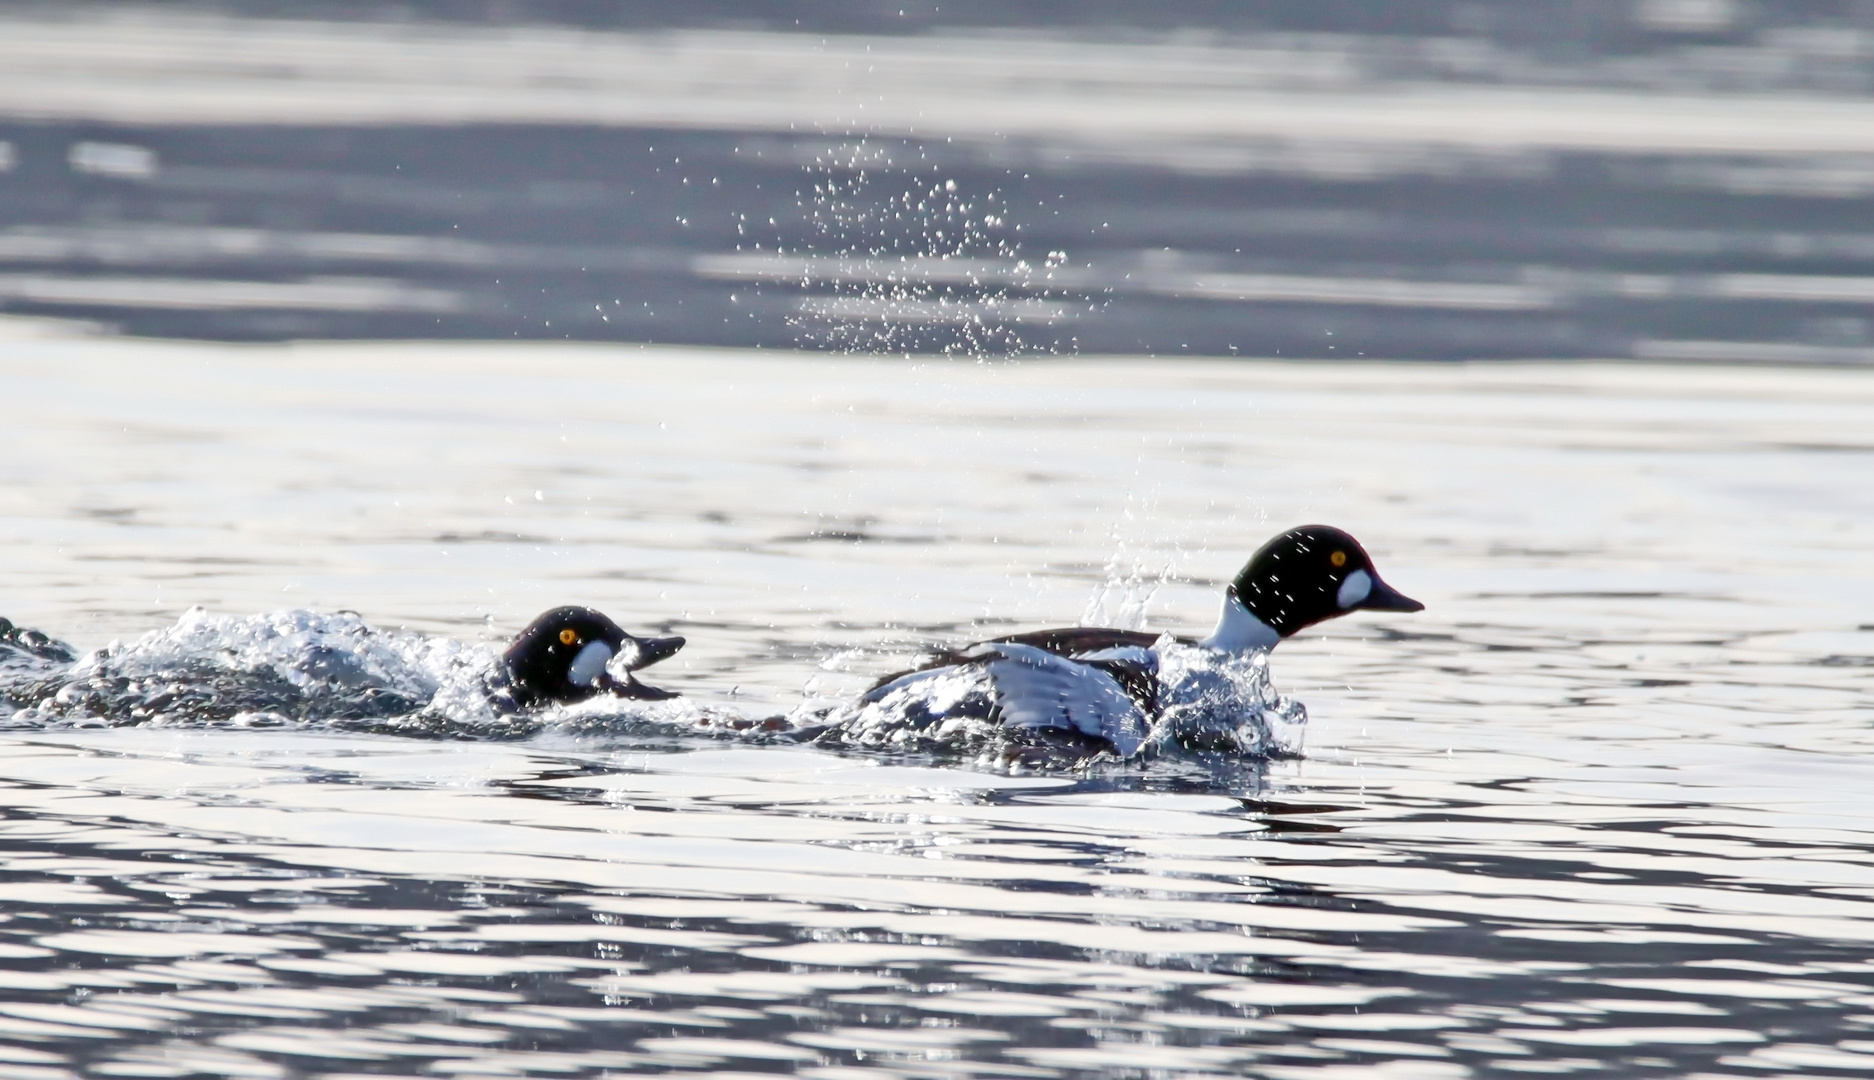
[589, 664]
[1238, 629]
[1038, 690]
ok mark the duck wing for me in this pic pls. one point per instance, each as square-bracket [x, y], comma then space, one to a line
[1072, 641]
[1109, 695]
[1079, 640]
[1039, 690]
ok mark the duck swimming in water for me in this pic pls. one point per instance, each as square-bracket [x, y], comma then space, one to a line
[303, 666]
[1106, 687]
[564, 656]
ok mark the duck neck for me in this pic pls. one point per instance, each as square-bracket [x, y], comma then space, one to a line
[1239, 631]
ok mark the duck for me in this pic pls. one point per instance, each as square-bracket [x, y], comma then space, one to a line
[565, 655]
[1102, 688]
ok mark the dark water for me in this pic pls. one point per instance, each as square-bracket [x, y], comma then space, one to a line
[224, 906]
[1671, 179]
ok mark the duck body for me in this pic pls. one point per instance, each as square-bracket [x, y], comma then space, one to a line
[1109, 688]
[566, 655]
[1097, 699]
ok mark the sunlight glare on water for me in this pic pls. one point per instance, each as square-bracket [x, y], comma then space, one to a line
[1602, 806]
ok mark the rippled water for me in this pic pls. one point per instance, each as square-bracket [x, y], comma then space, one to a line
[1427, 179]
[1602, 806]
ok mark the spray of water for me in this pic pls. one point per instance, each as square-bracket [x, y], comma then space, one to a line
[310, 670]
[1210, 702]
[898, 259]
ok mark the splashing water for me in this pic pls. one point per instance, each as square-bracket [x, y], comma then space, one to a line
[1124, 596]
[1209, 702]
[28, 660]
[1130, 581]
[287, 668]
[312, 670]
[929, 267]
[298, 669]
[1217, 701]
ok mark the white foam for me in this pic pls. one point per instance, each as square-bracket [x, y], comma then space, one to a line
[1210, 699]
[287, 667]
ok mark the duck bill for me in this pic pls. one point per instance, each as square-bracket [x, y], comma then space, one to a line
[1386, 598]
[643, 652]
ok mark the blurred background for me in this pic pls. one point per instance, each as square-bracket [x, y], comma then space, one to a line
[1658, 179]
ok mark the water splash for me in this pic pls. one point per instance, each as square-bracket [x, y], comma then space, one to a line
[284, 669]
[309, 670]
[1225, 702]
[1129, 582]
[1211, 702]
[951, 712]
[29, 661]
[305, 670]
[911, 261]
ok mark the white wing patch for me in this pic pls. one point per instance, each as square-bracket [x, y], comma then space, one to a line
[908, 679]
[1036, 689]
[1133, 655]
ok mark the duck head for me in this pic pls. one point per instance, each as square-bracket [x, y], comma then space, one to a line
[1302, 577]
[564, 654]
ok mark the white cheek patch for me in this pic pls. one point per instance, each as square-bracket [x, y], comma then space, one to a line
[1354, 589]
[589, 664]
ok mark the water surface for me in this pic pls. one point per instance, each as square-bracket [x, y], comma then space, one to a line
[1429, 179]
[1601, 806]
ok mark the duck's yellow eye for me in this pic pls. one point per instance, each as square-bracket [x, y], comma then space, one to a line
[1339, 559]
[568, 636]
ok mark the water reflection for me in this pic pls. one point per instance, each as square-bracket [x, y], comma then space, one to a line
[1602, 805]
[203, 903]
[1431, 180]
